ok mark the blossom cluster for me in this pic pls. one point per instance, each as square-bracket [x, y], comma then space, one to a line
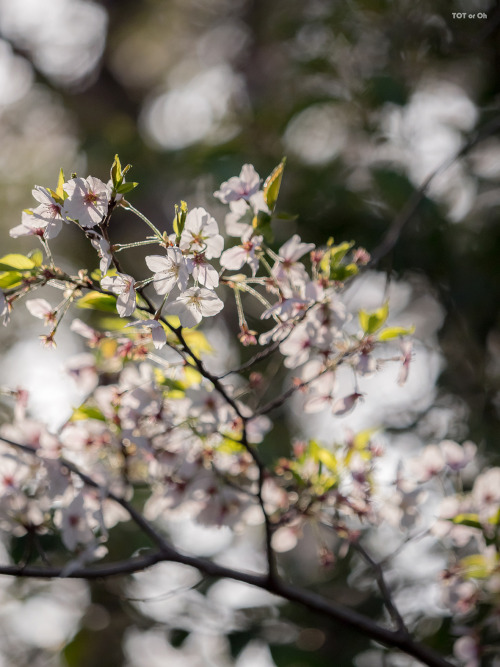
[155, 418]
[466, 522]
[175, 427]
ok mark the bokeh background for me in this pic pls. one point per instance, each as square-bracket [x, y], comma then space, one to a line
[366, 99]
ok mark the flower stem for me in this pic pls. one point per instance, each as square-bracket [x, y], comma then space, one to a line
[118, 247]
[157, 232]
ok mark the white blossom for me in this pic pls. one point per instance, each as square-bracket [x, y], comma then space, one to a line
[458, 456]
[169, 270]
[87, 201]
[44, 220]
[73, 521]
[82, 329]
[300, 343]
[239, 187]
[234, 258]
[201, 234]
[288, 268]
[194, 304]
[42, 309]
[103, 250]
[343, 406]
[203, 272]
[82, 368]
[123, 286]
[242, 212]
[486, 493]
[157, 331]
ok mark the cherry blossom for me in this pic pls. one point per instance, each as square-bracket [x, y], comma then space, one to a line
[13, 475]
[203, 272]
[301, 343]
[201, 234]
[285, 308]
[239, 187]
[288, 269]
[42, 309]
[92, 335]
[157, 331]
[444, 527]
[234, 258]
[169, 270]
[242, 213]
[123, 286]
[277, 333]
[457, 456]
[44, 220]
[82, 368]
[87, 201]
[103, 250]
[194, 304]
[486, 493]
[468, 651]
[321, 385]
[406, 357]
[429, 464]
[343, 406]
[75, 523]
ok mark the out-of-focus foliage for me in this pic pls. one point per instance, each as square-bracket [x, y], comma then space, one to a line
[365, 98]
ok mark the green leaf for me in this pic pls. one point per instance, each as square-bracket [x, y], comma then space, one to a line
[126, 187]
[112, 323]
[116, 173]
[331, 264]
[467, 519]
[338, 252]
[325, 456]
[371, 322]
[477, 566]
[494, 520]
[363, 438]
[167, 382]
[395, 332]
[59, 194]
[229, 446]
[10, 279]
[180, 218]
[36, 257]
[98, 301]
[342, 273]
[262, 225]
[286, 217]
[87, 412]
[272, 185]
[16, 262]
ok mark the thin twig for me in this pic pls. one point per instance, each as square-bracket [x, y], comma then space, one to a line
[412, 204]
[383, 587]
[259, 356]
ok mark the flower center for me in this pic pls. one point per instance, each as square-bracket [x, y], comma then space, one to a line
[90, 198]
[199, 259]
[53, 210]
